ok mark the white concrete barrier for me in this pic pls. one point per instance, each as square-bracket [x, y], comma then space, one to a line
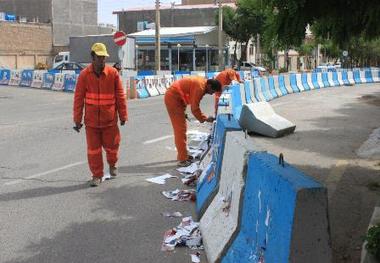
[221, 219]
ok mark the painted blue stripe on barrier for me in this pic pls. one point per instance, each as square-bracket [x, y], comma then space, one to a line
[281, 84]
[272, 88]
[248, 95]
[264, 89]
[345, 77]
[325, 79]
[5, 76]
[237, 104]
[26, 78]
[304, 81]
[357, 79]
[267, 213]
[368, 76]
[293, 83]
[207, 189]
[335, 78]
[314, 80]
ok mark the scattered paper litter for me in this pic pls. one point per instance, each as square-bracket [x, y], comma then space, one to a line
[195, 258]
[191, 179]
[160, 179]
[187, 233]
[189, 169]
[174, 214]
[106, 176]
[180, 195]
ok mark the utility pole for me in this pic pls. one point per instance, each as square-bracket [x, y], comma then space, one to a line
[158, 40]
[220, 38]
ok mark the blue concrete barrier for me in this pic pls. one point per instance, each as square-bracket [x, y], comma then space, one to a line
[69, 82]
[141, 90]
[265, 89]
[281, 85]
[236, 101]
[368, 76]
[305, 82]
[356, 74]
[314, 80]
[247, 89]
[283, 217]
[48, 80]
[325, 80]
[207, 189]
[293, 83]
[26, 78]
[5, 76]
[272, 87]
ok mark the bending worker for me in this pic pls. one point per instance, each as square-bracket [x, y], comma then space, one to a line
[100, 92]
[225, 78]
[183, 92]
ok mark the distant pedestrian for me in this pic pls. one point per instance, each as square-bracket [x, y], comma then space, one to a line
[99, 91]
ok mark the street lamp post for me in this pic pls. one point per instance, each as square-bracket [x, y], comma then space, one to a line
[206, 58]
[178, 46]
[137, 57]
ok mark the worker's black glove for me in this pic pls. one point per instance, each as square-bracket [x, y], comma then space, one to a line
[77, 127]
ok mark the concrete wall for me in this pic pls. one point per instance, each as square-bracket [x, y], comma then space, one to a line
[31, 9]
[169, 18]
[24, 45]
[73, 18]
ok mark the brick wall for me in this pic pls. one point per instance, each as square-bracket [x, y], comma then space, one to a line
[24, 45]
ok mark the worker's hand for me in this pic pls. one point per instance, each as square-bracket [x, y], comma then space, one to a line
[210, 119]
[122, 123]
[77, 126]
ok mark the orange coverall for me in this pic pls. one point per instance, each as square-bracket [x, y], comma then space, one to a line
[104, 100]
[225, 78]
[183, 92]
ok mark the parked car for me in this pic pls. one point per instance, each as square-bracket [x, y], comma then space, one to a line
[252, 66]
[67, 66]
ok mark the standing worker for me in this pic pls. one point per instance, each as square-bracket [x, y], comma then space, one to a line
[100, 91]
[225, 78]
[183, 92]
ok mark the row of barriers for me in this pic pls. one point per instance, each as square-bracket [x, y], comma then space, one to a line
[252, 205]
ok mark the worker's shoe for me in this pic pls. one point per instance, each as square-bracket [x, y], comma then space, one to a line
[113, 171]
[184, 163]
[95, 181]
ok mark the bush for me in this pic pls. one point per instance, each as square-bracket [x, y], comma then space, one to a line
[282, 70]
[373, 241]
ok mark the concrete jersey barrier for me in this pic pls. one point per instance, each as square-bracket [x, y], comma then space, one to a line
[38, 76]
[283, 217]
[5, 76]
[26, 78]
[220, 221]
[15, 78]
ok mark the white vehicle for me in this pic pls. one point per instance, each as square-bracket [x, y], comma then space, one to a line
[62, 57]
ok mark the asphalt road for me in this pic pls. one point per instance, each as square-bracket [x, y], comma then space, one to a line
[47, 211]
[49, 214]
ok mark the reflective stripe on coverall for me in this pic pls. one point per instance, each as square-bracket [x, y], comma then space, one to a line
[183, 92]
[225, 78]
[104, 101]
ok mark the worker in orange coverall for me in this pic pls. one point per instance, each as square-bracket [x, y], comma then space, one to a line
[183, 92]
[225, 78]
[99, 90]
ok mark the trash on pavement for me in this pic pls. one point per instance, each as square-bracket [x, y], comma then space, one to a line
[180, 195]
[106, 176]
[188, 169]
[191, 179]
[187, 233]
[160, 179]
[174, 214]
[195, 258]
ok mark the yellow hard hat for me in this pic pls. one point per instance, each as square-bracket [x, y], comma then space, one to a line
[100, 49]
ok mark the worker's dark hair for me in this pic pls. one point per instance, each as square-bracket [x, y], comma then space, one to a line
[215, 84]
[93, 54]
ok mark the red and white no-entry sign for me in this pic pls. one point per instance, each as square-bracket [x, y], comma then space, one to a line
[120, 38]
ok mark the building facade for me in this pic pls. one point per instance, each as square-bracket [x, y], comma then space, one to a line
[67, 17]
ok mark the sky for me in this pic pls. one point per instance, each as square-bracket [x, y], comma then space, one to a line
[106, 7]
